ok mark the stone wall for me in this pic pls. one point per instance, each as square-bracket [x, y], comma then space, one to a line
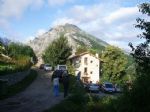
[15, 77]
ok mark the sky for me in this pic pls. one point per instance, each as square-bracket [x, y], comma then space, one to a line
[112, 21]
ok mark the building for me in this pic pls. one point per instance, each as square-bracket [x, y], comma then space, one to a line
[88, 65]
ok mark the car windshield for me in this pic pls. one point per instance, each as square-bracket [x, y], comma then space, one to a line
[108, 85]
[62, 67]
[47, 65]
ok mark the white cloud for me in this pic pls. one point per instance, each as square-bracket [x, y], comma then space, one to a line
[86, 13]
[114, 25]
[122, 13]
[110, 22]
[62, 21]
[58, 2]
[15, 8]
[4, 23]
[122, 45]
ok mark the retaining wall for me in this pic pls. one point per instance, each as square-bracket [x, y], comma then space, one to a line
[14, 78]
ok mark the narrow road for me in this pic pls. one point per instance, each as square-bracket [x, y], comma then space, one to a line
[35, 98]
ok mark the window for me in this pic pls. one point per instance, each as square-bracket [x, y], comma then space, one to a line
[91, 72]
[85, 70]
[85, 60]
[91, 61]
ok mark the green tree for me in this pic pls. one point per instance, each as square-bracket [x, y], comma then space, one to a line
[15, 49]
[81, 49]
[2, 48]
[114, 64]
[71, 68]
[57, 52]
[137, 99]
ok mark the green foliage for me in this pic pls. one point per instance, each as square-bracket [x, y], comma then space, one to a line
[21, 63]
[71, 68]
[57, 52]
[20, 86]
[137, 99]
[18, 59]
[114, 64]
[92, 51]
[96, 43]
[15, 49]
[81, 49]
[130, 73]
[2, 48]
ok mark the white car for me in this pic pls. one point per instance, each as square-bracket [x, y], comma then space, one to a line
[93, 88]
[108, 87]
[47, 67]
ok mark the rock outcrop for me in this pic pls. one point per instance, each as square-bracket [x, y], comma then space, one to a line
[75, 36]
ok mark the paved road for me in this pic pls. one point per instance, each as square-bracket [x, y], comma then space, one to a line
[36, 98]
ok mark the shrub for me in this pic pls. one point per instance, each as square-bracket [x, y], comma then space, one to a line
[21, 63]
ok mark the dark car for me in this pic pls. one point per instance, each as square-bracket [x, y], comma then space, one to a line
[94, 87]
[108, 87]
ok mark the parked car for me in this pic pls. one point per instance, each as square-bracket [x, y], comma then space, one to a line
[93, 88]
[118, 89]
[108, 87]
[61, 67]
[47, 67]
[41, 66]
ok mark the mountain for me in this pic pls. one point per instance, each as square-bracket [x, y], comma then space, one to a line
[5, 41]
[75, 36]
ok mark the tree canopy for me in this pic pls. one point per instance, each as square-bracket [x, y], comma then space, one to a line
[137, 99]
[114, 64]
[57, 52]
[1, 47]
[16, 49]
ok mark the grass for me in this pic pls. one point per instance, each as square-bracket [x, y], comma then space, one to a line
[20, 86]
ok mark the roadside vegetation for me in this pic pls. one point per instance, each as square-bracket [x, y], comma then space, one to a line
[15, 57]
[137, 99]
[7, 91]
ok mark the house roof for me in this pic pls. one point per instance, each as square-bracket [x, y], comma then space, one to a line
[75, 56]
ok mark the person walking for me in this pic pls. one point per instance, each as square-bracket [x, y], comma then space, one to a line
[78, 76]
[55, 80]
[65, 81]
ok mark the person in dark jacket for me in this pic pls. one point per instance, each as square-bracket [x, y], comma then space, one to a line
[78, 76]
[65, 81]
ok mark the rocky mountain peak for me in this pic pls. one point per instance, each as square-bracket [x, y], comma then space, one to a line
[74, 34]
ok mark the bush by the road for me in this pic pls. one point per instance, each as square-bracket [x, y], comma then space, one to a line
[8, 66]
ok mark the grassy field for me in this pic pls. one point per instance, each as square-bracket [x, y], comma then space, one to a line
[20, 86]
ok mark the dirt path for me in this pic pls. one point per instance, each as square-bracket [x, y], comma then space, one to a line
[36, 98]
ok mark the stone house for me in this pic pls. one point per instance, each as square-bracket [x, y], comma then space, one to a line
[88, 65]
